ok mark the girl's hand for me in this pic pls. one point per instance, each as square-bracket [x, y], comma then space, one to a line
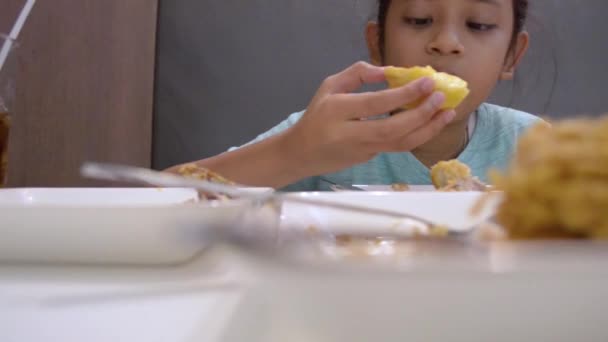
[334, 133]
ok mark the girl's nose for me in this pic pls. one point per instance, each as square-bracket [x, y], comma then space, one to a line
[445, 42]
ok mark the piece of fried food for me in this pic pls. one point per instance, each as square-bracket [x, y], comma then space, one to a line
[454, 88]
[454, 175]
[557, 184]
[448, 173]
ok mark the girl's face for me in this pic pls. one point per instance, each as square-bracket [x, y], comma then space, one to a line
[467, 38]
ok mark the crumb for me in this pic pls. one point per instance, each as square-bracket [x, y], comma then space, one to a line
[400, 187]
[438, 231]
[342, 240]
[312, 229]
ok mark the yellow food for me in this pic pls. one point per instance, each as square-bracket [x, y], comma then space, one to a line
[447, 173]
[454, 88]
[453, 175]
[557, 184]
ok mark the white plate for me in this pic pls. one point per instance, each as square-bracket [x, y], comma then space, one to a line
[100, 226]
[453, 209]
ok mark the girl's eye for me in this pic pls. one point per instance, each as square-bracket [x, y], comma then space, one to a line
[480, 27]
[418, 22]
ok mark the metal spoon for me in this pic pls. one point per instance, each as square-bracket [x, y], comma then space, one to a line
[150, 177]
[341, 187]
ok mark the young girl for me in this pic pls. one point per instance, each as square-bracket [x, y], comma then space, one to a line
[343, 137]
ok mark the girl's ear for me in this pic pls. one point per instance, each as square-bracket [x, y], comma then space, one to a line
[373, 43]
[515, 55]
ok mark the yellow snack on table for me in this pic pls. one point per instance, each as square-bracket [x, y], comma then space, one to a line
[454, 88]
[556, 186]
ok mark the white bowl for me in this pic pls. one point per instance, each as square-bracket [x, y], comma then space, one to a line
[142, 226]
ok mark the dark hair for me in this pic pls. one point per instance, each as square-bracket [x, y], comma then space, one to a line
[520, 14]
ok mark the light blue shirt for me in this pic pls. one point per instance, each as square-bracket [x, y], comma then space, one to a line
[491, 146]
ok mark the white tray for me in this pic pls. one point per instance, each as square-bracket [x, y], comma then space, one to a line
[146, 226]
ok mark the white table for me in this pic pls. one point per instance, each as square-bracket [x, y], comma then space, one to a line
[550, 287]
[68, 304]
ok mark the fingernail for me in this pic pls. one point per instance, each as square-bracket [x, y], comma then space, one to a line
[427, 85]
[437, 98]
[449, 116]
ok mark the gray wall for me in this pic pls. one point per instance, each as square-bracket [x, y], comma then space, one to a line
[228, 70]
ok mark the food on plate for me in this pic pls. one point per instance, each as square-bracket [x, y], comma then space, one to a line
[557, 184]
[454, 88]
[400, 187]
[445, 173]
[454, 175]
[194, 171]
